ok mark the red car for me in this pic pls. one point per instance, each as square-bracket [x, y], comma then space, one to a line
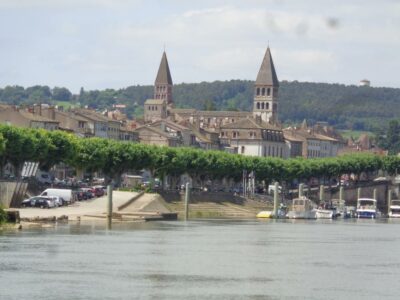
[99, 192]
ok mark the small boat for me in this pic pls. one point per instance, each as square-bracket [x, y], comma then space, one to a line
[270, 214]
[367, 208]
[394, 210]
[341, 208]
[327, 211]
[265, 214]
[302, 208]
[321, 213]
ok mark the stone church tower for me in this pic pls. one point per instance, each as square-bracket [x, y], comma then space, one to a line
[163, 83]
[266, 91]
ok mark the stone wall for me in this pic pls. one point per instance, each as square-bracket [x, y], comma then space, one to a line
[197, 196]
[6, 192]
[350, 193]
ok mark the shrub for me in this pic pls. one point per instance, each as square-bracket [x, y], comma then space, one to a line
[3, 215]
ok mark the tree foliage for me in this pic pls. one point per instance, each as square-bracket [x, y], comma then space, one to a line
[18, 145]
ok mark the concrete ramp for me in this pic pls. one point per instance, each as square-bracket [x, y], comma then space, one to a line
[147, 203]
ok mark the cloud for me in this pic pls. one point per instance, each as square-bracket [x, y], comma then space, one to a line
[90, 42]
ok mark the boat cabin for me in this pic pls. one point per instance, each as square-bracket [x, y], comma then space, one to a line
[366, 203]
[302, 204]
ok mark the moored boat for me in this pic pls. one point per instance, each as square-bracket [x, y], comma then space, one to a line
[321, 213]
[367, 208]
[302, 208]
[394, 210]
[266, 214]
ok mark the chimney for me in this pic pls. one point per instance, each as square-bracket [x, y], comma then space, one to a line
[51, 112]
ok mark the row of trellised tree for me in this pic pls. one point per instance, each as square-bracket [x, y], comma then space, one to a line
[114, 158]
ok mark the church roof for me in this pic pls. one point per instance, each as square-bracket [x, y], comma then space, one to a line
[249, 123]
[219, 113]
[163, 75]
[267, 74]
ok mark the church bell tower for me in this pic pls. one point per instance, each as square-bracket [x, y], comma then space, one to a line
[163, 83]
[266, 87]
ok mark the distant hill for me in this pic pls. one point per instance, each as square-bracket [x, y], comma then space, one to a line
[347, 107]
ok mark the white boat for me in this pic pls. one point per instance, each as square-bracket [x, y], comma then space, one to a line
[302, 208]
[394, 210]
[367, 208]
[321, 213]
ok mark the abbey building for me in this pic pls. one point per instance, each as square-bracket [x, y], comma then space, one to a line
[255, 133]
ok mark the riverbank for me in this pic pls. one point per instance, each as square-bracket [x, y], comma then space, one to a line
[132, 206]
[80, 210]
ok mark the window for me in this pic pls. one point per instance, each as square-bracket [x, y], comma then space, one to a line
[262, 105]
[267, 105]
[268, 92]
[234, 134]
[258, 91]
[258, 105]
[242, 150]
[263, 91]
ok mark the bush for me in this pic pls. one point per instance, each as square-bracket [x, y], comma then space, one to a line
[3, 215]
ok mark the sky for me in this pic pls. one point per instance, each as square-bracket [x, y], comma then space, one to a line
[99, 44]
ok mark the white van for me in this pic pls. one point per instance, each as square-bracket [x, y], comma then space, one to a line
[66, 194]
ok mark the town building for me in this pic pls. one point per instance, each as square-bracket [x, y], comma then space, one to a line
[20, 117]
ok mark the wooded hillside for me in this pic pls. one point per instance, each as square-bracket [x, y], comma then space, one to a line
[346, 107]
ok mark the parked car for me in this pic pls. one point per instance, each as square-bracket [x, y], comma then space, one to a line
[29, 202]
[103, 187]
[58, 201]
[44, 202]
[99, 192]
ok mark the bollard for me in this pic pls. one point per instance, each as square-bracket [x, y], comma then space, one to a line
[341, 193]
[389, 201]
[276, 192]
[109, 206]
[321, 193]
[358, 193]
[187, 196]
[301, 192]
[375, 194]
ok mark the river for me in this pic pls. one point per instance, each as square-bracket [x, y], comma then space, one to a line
[204, 259]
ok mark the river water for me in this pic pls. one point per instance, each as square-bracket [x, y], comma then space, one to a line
[205, 259]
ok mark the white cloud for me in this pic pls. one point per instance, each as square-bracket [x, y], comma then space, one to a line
[121, 41]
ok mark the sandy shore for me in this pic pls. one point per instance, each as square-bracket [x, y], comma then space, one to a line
[82, 209]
